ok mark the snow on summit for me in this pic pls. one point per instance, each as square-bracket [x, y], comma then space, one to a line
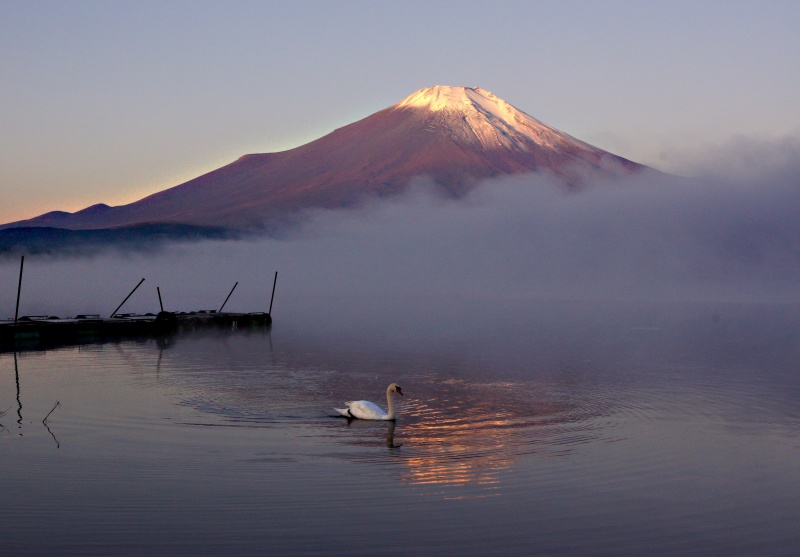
[463, 99]
[474, 114]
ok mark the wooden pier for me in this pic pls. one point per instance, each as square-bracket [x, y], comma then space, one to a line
[36, 332]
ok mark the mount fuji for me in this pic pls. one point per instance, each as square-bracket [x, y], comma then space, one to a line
[454, 136]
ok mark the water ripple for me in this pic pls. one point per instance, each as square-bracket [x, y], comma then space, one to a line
[466, 433]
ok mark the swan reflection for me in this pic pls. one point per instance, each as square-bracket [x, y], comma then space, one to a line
[371, 425]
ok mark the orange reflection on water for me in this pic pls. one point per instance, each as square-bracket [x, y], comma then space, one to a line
[454, 455]
[466, 436]
[465, 442]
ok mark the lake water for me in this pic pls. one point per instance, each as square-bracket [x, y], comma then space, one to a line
[551, 429]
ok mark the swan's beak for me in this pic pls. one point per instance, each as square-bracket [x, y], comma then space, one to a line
[399, 391]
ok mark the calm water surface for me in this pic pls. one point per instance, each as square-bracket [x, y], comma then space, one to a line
[557, 430]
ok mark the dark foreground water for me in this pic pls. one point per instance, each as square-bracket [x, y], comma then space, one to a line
[564, 429]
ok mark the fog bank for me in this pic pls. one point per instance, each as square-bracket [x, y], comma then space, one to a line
[432, 260]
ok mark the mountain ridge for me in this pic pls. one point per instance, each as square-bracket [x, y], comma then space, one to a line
[455, 136]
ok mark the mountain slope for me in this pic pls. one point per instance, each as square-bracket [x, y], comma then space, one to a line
[453, 135]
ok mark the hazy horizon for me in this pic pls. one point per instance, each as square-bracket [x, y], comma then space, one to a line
[719, 238]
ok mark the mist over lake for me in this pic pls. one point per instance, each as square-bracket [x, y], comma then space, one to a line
[645, 237]
[612, 371]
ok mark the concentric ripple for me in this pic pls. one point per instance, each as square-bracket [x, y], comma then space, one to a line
[460, 433]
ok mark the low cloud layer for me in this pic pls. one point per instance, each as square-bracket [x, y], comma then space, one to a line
[729, 235]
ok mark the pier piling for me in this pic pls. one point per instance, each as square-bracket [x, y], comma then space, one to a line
[274, 282]
[229, 295]
[113, 313]
[19, 289]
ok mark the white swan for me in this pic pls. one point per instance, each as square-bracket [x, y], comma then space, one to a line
[366, 410]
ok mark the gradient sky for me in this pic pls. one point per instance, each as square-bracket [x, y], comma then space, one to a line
[111, 101]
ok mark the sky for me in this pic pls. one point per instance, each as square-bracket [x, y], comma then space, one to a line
[112, 101]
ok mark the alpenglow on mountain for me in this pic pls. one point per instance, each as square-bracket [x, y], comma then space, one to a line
[454, 136]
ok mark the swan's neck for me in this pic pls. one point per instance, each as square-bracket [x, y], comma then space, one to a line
[390, 404]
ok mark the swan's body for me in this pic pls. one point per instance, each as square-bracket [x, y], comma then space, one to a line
[366, 410]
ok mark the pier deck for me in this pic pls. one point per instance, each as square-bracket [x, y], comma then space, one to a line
[40, 331]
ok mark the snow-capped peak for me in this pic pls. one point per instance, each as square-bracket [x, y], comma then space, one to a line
[486, 118]
[442, 97]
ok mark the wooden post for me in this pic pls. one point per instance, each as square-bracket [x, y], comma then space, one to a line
[229, 295]
[126, 298]
[19, 288]
[274, 282]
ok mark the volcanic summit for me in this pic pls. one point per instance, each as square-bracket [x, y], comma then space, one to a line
[454, 136]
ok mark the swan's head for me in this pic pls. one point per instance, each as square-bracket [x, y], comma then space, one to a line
[395, 388]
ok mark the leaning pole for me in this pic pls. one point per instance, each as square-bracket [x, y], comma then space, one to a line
[19, 289]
